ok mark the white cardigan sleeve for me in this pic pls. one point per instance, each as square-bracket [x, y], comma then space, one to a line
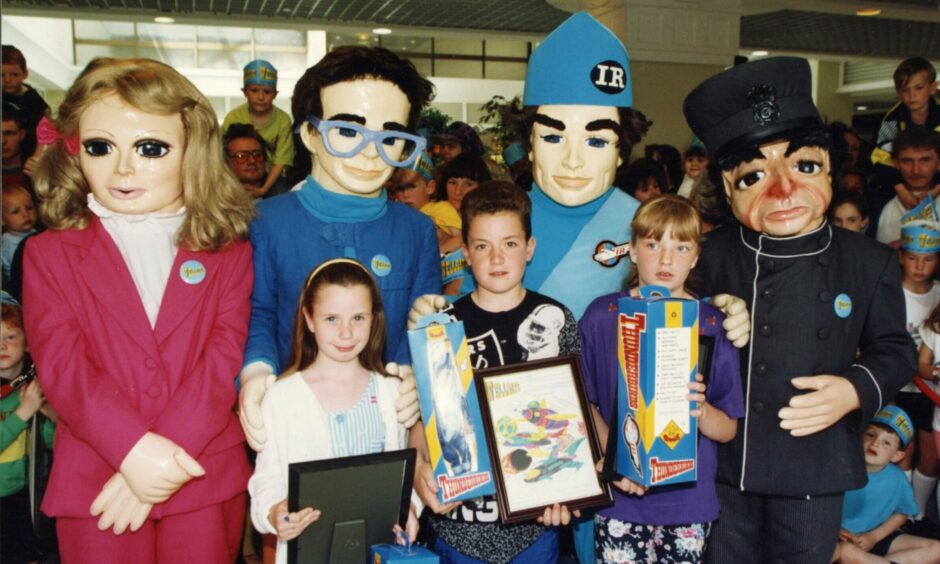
[268, 485]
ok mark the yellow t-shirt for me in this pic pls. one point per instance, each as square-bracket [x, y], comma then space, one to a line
[443, 214]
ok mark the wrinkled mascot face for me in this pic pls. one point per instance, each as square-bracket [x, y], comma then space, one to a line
[782, 194]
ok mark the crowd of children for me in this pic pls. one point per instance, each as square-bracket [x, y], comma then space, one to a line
[141, 307]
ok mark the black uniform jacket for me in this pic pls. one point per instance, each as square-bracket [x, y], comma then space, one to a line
[814, 300]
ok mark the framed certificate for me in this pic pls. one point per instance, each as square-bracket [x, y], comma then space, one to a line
[361, 498]
[541, 438]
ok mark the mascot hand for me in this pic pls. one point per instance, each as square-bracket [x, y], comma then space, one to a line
[118, 507]
[255, 379]
[425, 305]
[406, 406]
[737, 323]
[156, 467]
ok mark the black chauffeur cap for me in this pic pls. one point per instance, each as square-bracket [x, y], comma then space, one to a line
[752, 103]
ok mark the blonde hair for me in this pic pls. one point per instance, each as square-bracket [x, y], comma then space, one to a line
[656, 215]
[218, 209]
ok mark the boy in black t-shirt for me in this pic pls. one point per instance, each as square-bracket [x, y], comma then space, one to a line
[505, 324]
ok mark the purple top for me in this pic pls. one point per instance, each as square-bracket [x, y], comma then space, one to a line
[679, 504]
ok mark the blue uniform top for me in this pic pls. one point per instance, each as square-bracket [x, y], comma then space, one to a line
[295, 232]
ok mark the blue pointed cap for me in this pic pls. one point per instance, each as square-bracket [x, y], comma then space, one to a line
[580, 63]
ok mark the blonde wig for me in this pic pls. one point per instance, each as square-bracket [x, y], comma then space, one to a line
[218, 209]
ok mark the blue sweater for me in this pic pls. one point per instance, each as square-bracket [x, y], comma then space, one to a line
[296, 231]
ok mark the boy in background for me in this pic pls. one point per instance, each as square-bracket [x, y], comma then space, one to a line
[19, 221]
[273, 124]
[915, 81]
[22, 96]
[873, 515]
[694, 163]
[20, 399]
[504, 324]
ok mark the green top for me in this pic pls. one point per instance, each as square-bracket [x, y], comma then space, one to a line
[276, 133]
[13, 444]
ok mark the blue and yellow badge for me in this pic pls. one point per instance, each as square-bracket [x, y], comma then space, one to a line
[453, 266]
[842, 305]
[192, 272]
[381, 265]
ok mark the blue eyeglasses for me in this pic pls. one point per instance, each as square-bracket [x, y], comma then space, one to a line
[345, 139]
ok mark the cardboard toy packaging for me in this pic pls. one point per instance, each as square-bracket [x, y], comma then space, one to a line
[450, 409]
[393, 553]
[656, 438]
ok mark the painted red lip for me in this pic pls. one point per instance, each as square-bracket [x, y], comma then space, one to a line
[785, 215]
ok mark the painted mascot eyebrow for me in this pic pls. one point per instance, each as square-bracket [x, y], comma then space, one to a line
[600, 124]
[549, 122]
[355, 118]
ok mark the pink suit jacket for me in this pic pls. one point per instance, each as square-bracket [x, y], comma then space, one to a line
[112, 378]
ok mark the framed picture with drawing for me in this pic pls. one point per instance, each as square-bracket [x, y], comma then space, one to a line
[541, 438]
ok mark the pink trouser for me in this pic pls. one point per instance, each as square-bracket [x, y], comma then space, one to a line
[210, 535]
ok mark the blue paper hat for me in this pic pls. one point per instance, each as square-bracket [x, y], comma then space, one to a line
[260, 72]
[513, 153]
[896, 418]
[920, 228]
[580, 63]
[424, 166]
[920, 236]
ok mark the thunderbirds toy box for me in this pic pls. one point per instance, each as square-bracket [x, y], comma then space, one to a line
[657, 351]
[450, 409]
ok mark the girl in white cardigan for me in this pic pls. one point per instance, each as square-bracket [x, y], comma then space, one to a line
[334, 400]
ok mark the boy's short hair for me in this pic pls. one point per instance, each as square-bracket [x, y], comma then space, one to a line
[10, 189]
[895, 420]
[242, 130]
[12, 113]
[11, 314]
[464, 165]
[640, 171]
[915, 138]
[492, 197]
[695, 151]
[909, 67]
[13, 56]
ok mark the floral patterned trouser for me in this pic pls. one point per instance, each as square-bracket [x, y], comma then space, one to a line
[617, 542]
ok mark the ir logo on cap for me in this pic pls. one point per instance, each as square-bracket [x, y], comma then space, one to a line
[609, 77]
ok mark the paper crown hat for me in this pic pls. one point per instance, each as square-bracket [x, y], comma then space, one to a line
[580, 63]
[424, 166]
[752, 103]
[920, 228]
[896, 418]
[260, 72]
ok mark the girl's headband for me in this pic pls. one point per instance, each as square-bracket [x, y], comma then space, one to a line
[46, 134]
[331, 262]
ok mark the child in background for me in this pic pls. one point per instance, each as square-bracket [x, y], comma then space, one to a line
[458, 177]
[333, 401]
[22, 96]
[416, 188]
[504, 324]
[273, 124]
[872, 515]
[919, 257]
[929, 367]
[19, 221]
[847, 211]
[915, 81]
[644, 179]
[672, 523]
[21, 398]
[694, 163]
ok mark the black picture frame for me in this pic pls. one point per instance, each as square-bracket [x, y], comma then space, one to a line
[360, 497]
[563, 435]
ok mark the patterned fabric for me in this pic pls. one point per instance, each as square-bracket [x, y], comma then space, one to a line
[359, 429]
[617, 541]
